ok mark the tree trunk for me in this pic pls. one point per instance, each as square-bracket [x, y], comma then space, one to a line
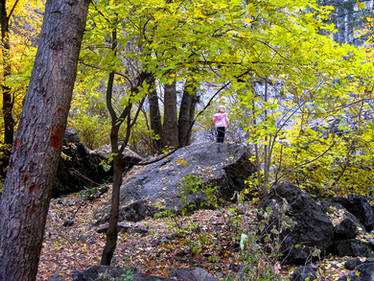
[186, 114]
[37, 144]
[170, 128]
[112, 233]
[9, 122]
[155, 116]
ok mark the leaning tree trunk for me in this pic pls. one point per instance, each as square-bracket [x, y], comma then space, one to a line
[154, 115]
[112, 233]
[170, 128]
[37, 144]
[186, 114]
[7, 109]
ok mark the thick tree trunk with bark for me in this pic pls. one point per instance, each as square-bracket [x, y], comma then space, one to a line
[7, 109]
[170, 128]
[186, 114]
[155, 116]
[37, 144]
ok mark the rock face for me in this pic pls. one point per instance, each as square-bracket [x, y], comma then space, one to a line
[352, 247]
[78, 167]
[304, 273]
[363, 272]
[313, 227]
[347, 229]
[193, 274]
[225, 166]
[359, 207]
[102, 272]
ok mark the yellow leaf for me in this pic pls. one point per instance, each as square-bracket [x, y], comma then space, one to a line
[247, 20]
[361, 5]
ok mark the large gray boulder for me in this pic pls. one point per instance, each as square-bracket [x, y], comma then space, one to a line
[223, 165]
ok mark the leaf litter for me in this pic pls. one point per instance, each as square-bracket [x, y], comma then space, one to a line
[205, 239]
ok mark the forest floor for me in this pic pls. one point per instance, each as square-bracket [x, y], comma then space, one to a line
[207, 239]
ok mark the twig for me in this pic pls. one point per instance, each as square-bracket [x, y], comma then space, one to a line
[308, 162]
[76, 172]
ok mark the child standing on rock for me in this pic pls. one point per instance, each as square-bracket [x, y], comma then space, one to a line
[221, 122]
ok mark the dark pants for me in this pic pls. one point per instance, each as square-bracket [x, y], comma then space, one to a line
[220, 134]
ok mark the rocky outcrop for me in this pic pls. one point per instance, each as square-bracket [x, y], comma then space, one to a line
[363, 272]
[192, 274]
[347, 229]
[304, 273]
[78, 167]
[312, 227]
[352, 247]
[359, 206]
[102, 272]
[224, 166]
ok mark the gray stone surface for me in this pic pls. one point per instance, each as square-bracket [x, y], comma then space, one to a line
[223, 165]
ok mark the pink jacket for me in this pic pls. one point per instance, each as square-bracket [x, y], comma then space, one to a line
[221, 120]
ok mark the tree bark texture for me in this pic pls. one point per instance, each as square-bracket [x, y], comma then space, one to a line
[37, 143]
[155, 116]
[186, 114]
[7, 109]
[170, 128]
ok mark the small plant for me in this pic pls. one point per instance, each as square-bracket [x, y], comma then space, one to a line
[191, 184]
[89, 192]
[261, 248]
[125, 276]
[162, 214]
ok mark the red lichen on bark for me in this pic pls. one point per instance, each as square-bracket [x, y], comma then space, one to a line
[16, 144]
[32, 166]
[25, 178]
[31, 189]
[56, 136]
[20, 125]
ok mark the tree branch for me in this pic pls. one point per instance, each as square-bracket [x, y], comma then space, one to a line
[13, 8]
[307, 162]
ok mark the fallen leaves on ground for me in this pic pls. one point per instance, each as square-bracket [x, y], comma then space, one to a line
[208, 239]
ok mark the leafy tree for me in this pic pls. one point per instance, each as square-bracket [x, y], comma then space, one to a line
[349, 17]
[272, 56]
[18, 21]
[106, 48]
[307, 75]
[37, 145]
